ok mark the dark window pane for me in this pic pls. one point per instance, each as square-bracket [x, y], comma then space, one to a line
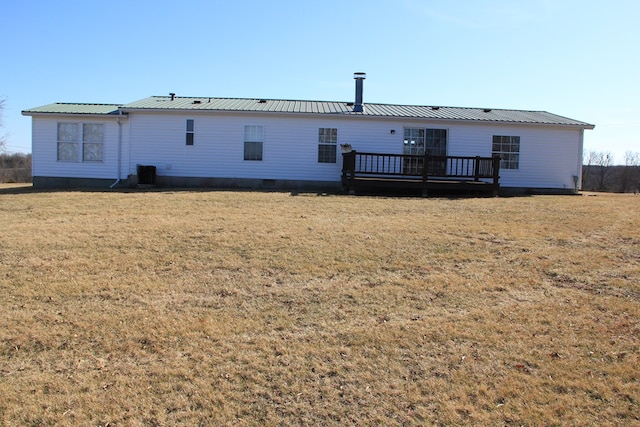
[327, 153]
[253, 150]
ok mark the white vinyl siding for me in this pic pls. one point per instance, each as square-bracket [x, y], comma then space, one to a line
[289, 147]
[549, 159]
[47, 160]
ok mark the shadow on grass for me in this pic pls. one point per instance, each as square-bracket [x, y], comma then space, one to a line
[28, 188]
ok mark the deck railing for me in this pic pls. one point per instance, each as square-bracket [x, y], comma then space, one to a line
[420, 167]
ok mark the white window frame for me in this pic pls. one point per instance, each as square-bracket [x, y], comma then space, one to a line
[508, 148]
[67, 140]
[190, 134]
[327, 140]
[98, 143]
[253, 143]
[81, 142]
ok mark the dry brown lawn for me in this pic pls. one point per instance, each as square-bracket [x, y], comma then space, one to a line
[248, 308]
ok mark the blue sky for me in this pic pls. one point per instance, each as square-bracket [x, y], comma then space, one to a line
[579, 59]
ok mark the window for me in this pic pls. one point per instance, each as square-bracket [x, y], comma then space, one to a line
[327, 145]
[190, 132]
[436, 142]
[92, 143]
[253, 140]
[68, 142]
[508, 148]
[417, 141]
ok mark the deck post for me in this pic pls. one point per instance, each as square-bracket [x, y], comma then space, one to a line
[425, 175]
[476, 172]
[496, 174]
[349, 170]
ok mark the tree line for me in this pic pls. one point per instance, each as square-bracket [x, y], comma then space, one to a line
[15, 167]
[600, 174]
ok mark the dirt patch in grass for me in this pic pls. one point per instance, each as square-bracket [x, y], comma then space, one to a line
[241, 308]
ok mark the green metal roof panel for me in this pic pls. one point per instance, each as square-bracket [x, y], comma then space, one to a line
[238, 104]
[254, 105]
[471, 114]
[72, 108]
[346, 109]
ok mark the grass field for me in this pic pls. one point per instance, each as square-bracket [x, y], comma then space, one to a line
[248, 308]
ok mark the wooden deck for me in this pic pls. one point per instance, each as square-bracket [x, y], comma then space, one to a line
[384, 172]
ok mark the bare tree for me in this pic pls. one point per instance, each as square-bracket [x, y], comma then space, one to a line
[597, 167]
[629, 178]
[599, 173]
[604, 166]
[2, 138]
[588, 160]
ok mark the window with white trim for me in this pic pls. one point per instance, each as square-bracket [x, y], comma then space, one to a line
[508, 148]
[327, 145]
[253, 142]
[190, 135]
[68, 142]
[92, 142]
[73, 148]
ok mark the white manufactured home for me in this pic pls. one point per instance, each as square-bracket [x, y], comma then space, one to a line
[266, 143]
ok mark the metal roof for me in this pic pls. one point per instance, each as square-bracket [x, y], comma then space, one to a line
[329, 108]
[346, 109]
[74, 108]
[239, 104]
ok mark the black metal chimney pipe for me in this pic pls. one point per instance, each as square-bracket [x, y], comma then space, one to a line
[359, 77]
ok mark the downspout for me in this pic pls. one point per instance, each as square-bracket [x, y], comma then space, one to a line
[578, 175]
[119, 149]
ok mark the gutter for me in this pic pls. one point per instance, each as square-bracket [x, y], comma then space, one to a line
[347, 113]
[51, 114]
[578, 176]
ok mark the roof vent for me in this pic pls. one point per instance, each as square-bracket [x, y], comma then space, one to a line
[435, 108]
[197, 101]
[487, 110]
[172, 95]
